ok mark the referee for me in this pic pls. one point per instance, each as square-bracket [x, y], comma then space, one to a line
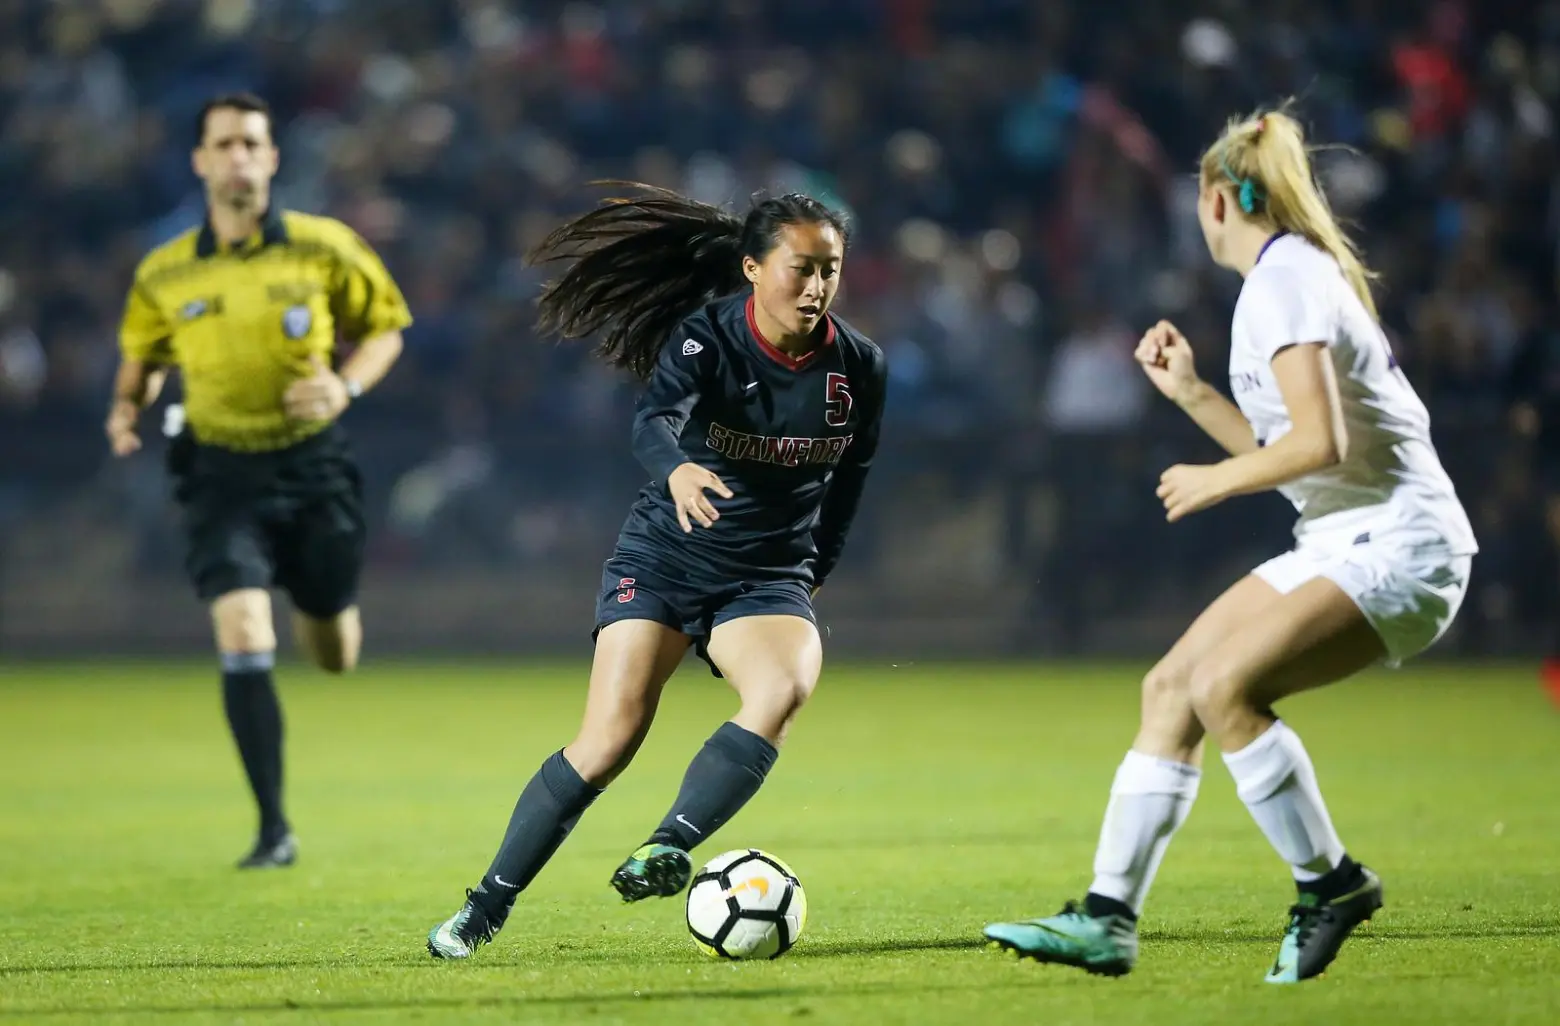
[249, 307]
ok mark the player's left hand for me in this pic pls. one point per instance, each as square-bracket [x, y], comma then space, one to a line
[320, 396]
[1186, 489]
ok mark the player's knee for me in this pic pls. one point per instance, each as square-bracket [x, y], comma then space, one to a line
[1168, 727]
[1216, 692]
[607, 744]
[1166, 690]
[796, 691]
[599, 757]
[242, 621]
[776, 703]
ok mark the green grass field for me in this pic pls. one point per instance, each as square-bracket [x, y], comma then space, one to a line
[916, 803]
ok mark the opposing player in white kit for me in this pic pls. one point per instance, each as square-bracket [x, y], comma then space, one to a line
[1380, 565]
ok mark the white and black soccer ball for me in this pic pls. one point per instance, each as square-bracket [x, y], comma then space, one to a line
[746, 904]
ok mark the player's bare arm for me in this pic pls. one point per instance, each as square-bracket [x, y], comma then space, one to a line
[1167, 358]
[1318, 440]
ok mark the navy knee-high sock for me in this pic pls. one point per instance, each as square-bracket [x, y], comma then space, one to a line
[728, 771]
[549, 807]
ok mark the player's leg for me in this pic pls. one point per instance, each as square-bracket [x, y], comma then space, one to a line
[634, 659]
[319, 552]
[1150, 798]
[772, 662]
[1315, 635]
[331, 643]
[766, 645]
[1340, 612]
[246, 643]
[229, 562]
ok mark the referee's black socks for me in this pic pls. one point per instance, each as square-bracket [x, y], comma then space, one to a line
[255, 716]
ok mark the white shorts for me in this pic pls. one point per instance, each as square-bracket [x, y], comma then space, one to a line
[1407, 584]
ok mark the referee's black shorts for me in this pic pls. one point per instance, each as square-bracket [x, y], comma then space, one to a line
[291, 518]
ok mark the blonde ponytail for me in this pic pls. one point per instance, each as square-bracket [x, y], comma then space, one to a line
[1265, 158]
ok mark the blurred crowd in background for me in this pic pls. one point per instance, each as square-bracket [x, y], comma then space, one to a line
[1019, 173]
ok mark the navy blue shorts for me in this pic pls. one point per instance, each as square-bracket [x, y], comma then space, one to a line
[634, 588]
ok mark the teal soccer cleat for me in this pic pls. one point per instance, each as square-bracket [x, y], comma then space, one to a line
[461, 934]
[654, 871]
[1104, 946]
[1317, 929]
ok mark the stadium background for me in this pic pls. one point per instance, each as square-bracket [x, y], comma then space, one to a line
[1019, 173]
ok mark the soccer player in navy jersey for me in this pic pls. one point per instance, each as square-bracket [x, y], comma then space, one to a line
[758, 423]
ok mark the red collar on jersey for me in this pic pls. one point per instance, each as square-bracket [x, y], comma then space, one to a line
[781, 357]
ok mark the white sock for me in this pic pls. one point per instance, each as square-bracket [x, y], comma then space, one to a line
[1149, 800]
[1275, 778]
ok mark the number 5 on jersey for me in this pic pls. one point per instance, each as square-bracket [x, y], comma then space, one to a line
[837, 400]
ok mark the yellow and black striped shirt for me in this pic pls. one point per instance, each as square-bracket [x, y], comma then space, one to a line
[242, 322]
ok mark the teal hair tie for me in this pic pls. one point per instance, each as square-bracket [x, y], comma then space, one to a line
[1249, 194]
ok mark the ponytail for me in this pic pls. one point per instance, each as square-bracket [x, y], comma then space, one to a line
[1266, 160]
[642, 264]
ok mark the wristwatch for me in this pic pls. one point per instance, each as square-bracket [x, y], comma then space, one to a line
[353, 388]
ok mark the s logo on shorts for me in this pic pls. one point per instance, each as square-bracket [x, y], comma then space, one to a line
[626, 590]
[297, 321]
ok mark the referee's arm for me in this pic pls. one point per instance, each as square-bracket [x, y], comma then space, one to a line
[143, 368]
[371, 360]
[370, 311]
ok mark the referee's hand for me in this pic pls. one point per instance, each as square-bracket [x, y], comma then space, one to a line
[122, 437]
[687, 485]
[320, 396]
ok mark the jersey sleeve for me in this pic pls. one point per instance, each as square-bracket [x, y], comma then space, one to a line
[1280, 308]
[365, 300]
[843, 496]
[144, 332]
[682, 372]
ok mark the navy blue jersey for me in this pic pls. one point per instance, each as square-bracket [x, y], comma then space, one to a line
[792, 438]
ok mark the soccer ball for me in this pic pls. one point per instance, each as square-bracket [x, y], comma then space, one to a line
[746, 904]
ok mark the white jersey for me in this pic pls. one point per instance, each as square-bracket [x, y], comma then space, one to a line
[1391, 477]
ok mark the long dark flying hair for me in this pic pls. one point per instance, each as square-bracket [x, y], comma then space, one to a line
[642, 263]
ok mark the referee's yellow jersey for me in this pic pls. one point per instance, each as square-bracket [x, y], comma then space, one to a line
[241, 322]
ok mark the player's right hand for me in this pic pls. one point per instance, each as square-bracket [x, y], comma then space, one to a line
[1166, 357]
[122, 437]
[687, 485]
